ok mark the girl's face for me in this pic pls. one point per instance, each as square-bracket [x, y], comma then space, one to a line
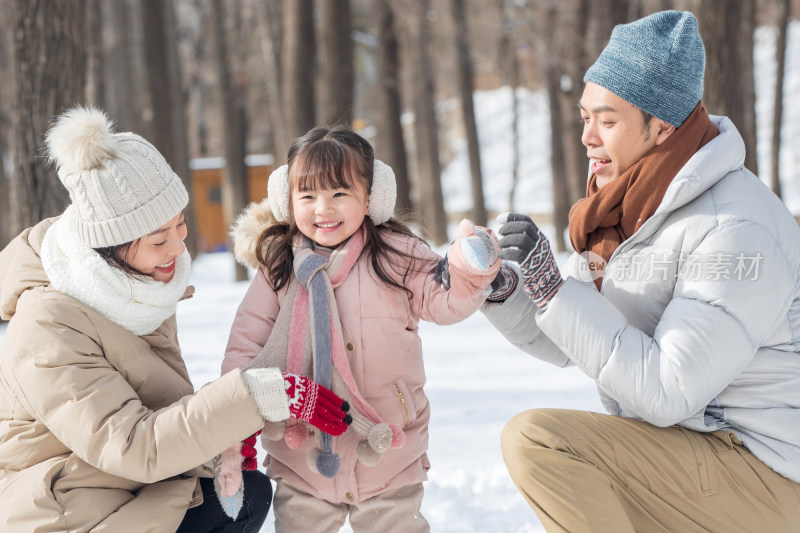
[330, 216]
[155, 253]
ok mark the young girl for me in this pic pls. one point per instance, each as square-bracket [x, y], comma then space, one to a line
[338, 294]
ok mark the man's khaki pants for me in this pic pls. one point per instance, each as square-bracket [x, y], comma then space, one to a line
[583, 471]
[396, 511]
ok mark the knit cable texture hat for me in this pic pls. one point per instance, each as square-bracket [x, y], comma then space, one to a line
[656, 63]
[121, 186]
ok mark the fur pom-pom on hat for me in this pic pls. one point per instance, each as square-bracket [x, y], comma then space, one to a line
[121, 186]
[81, 139]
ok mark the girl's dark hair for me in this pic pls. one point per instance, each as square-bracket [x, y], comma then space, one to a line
[333, 158]
[116, 255]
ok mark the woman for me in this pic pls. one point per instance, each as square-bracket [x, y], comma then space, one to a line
[99, 427]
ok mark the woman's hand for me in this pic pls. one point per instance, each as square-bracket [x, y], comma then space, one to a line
[281, 395]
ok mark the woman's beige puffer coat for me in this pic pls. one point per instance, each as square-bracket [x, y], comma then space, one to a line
[99, 428]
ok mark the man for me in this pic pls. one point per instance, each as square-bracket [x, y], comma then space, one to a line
[682, 303]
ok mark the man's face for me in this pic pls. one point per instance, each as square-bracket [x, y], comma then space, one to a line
[615, 134]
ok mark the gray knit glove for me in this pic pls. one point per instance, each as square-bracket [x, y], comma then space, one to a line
[523, 243]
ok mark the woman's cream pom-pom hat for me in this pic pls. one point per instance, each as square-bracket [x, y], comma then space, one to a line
[381, 199]
[121, 186]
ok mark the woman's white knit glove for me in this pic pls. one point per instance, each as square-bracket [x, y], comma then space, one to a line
[268, 390]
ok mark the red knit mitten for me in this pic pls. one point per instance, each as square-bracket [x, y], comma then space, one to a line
[317, 405]
[249, 452]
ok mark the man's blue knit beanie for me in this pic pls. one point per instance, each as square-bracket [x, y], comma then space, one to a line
[656, 63]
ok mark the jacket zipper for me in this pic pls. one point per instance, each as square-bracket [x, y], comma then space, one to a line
[402, 401]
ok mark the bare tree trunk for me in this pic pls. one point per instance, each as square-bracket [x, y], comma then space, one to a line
[271, 39]
[50, 75]
[429, 170]
[391, 144]
[5, 190]
[643, 8]
[297, 70]
[605, 14]
[561, 196]
[167, 97]
[777, 115]
[138, 65]
[509, 68]
[572, 35]
[5, 186]
[465, 85]
[122, 97]
[335, 60]
[234, 184]
[95, 83]
[6, 97]
[730, 87]
[196, 93]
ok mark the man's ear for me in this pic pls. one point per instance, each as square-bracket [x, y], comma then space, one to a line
[664, 131]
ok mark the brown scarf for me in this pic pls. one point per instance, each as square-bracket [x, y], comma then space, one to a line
[604, 219]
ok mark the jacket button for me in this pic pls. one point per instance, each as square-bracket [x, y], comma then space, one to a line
[351, 346]
[350, 496]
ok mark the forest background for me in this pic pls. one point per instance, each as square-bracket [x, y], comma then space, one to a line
[232, 78]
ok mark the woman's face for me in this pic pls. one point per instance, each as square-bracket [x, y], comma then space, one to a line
[155, 253]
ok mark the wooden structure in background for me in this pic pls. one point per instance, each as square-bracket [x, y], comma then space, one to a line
[207, 196]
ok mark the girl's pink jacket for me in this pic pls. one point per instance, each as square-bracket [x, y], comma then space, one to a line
[381, 338]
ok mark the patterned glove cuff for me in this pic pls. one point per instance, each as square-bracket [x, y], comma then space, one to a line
[507, 284]
[540, 275]
[267, 388]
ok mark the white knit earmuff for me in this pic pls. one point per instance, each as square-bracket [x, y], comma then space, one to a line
[381, 199]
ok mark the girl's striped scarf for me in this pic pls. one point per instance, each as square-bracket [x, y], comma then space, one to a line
[307, 340]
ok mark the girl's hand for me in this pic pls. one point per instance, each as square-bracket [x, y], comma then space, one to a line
[475, 248]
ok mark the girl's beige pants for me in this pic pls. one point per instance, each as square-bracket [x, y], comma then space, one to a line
[395, 511]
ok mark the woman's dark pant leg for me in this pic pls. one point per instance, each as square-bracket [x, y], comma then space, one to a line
[210, 518]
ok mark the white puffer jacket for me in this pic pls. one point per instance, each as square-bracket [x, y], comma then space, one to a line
[698, 323]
